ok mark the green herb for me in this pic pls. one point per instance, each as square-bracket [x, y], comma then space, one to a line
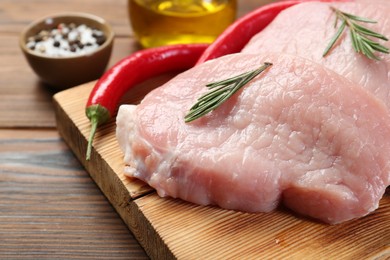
[220, 92]
[359, 34]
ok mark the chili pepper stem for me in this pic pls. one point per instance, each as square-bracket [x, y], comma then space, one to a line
[97, 114]
[94, 125]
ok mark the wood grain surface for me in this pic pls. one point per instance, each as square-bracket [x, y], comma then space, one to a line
[171, 228]
[49, 206]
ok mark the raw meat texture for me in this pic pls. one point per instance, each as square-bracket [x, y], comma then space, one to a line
[297, 133]
[308, 32]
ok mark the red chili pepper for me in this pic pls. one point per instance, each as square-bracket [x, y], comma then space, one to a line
[238, 34]
[136, 68]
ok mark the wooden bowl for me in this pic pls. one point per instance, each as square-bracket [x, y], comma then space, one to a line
[65, 72]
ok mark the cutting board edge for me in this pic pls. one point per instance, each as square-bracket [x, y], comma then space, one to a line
[129, 211]
[69, 131]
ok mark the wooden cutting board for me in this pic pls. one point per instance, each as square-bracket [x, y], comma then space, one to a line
[171, 228]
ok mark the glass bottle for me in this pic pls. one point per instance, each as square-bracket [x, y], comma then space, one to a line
[163, 22]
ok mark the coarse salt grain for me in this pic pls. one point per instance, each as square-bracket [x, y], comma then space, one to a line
[66, 40]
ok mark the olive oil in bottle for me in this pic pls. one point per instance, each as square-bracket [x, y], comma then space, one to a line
[164, 22]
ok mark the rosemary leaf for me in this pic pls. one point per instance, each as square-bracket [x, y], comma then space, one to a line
[380, 48]
[334, 39]
[368, 51]
[227, 81]
[220, 92]
[358, 18]
[368, 32]
[354, 40]
[360, 42]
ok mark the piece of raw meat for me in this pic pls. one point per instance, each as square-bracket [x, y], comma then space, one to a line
[306, 29]
[297, 133]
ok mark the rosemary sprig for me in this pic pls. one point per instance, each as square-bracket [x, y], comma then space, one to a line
[359, 34]
[220, 92]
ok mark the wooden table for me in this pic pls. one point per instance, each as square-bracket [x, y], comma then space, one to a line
[49, 206]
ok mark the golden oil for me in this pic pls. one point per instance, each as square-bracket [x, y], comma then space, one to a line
[164, 22]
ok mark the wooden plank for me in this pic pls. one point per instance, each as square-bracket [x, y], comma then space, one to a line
[22, 12]
[50, 208]
[171, 228]
[28, 102]
[198, 232]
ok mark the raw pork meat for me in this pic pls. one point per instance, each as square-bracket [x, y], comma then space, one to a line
[306, 29]
[297, 133]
